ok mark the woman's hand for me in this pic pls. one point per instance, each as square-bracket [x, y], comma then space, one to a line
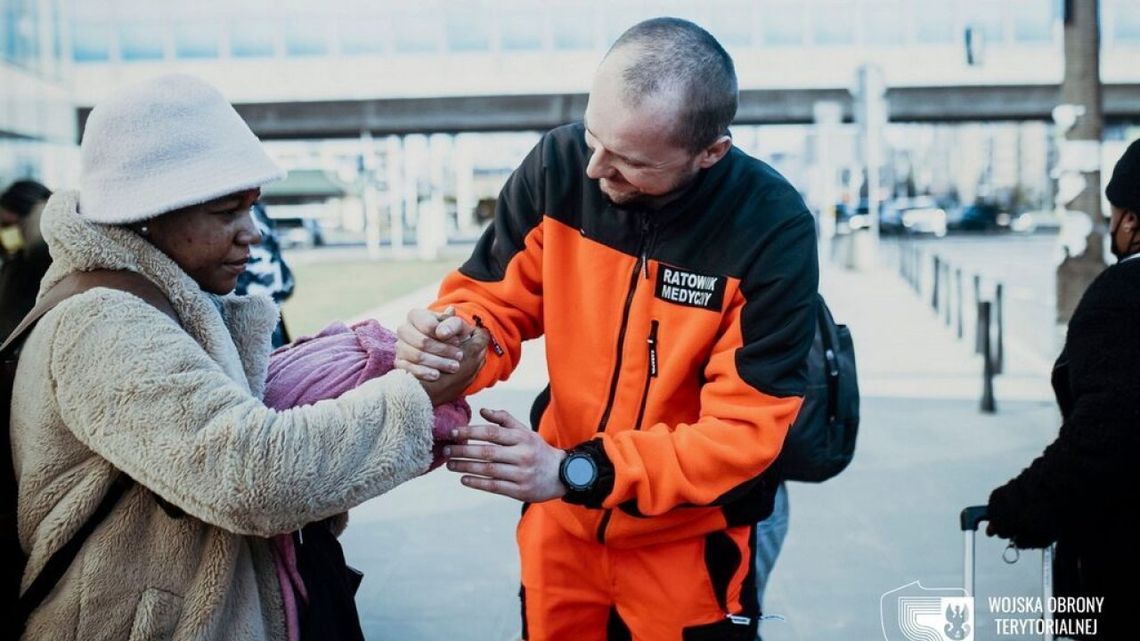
[449, 386]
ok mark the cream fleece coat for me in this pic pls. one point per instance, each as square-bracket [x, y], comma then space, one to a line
[106, 381]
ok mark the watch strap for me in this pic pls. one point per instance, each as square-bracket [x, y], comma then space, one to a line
[604, 482]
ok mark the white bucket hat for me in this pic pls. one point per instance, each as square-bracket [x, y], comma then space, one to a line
[165, 144]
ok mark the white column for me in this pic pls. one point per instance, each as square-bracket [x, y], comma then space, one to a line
[366, 166]
[465, 200]
[395, 193]
[828, 116]
[431, 231]
[415, 149]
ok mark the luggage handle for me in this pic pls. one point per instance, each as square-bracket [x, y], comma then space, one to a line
[969, 520]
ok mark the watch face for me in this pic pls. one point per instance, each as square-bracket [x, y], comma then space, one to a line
[580, 471]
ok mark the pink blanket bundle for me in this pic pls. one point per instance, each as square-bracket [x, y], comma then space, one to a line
[316, 368]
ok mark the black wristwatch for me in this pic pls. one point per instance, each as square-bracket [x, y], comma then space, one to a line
[578, 472]
[587, 474]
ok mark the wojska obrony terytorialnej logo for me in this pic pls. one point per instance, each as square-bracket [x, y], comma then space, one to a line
[917, 613]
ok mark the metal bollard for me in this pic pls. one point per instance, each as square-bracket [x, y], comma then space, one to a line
[989, 406]
[999, 326]
[958, 290]
[948, 299]
[934, 298]
[977, 319]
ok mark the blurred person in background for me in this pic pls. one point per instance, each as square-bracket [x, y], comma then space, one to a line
[23, 253]
[266, 273]
[1083, 492]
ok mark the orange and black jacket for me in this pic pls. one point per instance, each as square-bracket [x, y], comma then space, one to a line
[675, 338]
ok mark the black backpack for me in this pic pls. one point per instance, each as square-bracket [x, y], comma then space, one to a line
[14, 606]
[821, 442]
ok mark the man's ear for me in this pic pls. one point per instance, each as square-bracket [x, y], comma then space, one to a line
[712, 154]
[1130, 220]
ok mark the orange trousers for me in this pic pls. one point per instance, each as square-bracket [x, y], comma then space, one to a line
[698, 589]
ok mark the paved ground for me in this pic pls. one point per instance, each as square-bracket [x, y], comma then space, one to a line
[440, 560]
[1026, 267]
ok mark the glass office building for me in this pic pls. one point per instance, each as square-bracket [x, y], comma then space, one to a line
[37, 113]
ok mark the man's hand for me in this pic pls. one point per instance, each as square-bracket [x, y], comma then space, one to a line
[428, 344]
[511, 460]
[441, 350]
[449, 386]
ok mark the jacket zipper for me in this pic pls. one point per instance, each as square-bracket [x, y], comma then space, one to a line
[641, 266]
[642, 261]
[495, 346]
[650, 375]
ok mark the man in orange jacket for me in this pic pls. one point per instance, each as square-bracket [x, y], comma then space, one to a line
[673, 277]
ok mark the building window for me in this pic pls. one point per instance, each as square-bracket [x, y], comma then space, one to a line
[985, 17]
[362, 37]
[834, 24]
[21, 36]
[1033, 20]
[468, 31]
[196, 40]
[730, 23]
[934, 23]
[91, 42]
[1127, 23]
[783, 25]
[521, 31]
[306, 37]
[417, 33]
[883, 24]
[253, 40]
[572, 29]
[141, 41]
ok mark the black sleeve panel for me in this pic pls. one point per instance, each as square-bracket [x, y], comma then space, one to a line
[779, 315]
[517, 212]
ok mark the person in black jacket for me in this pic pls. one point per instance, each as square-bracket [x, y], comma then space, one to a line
[1083, 492]
[23, 253]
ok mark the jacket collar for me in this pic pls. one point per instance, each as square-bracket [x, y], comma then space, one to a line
[239, 342]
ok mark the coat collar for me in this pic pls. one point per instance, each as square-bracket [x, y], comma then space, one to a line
[239, 342]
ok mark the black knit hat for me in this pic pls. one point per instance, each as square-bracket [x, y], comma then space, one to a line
[1123, 190]
[22, 196]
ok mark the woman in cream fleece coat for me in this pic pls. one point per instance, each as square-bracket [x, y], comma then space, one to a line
[108, 383]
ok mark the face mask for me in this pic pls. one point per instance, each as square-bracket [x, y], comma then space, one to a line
[11, 239]
[1120, 255]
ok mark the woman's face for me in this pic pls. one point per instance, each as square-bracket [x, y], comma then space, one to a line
[211, 241]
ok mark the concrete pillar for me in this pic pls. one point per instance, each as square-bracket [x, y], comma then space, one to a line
[369, 200]
[415, 152]
[465, 200]
[395, 194]
[1080, 120]
[871, 116]
[828, 117]
[431, 231]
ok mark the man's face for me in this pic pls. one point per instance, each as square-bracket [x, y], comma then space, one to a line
[8, 218]
[633, 156]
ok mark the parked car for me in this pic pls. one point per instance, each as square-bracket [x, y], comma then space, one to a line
[921, 215]
[851, 217]
[980, 217]
[299, 232]
[1041, 221]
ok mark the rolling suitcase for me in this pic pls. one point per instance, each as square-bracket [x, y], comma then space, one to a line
[970, 518]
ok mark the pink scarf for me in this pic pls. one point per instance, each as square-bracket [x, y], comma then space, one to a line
[315, 368]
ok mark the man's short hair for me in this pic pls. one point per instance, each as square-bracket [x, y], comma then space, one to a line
[675, 53]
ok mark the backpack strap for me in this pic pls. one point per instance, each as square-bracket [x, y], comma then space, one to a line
[71, 285]
[79, 282]
[826, 323]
